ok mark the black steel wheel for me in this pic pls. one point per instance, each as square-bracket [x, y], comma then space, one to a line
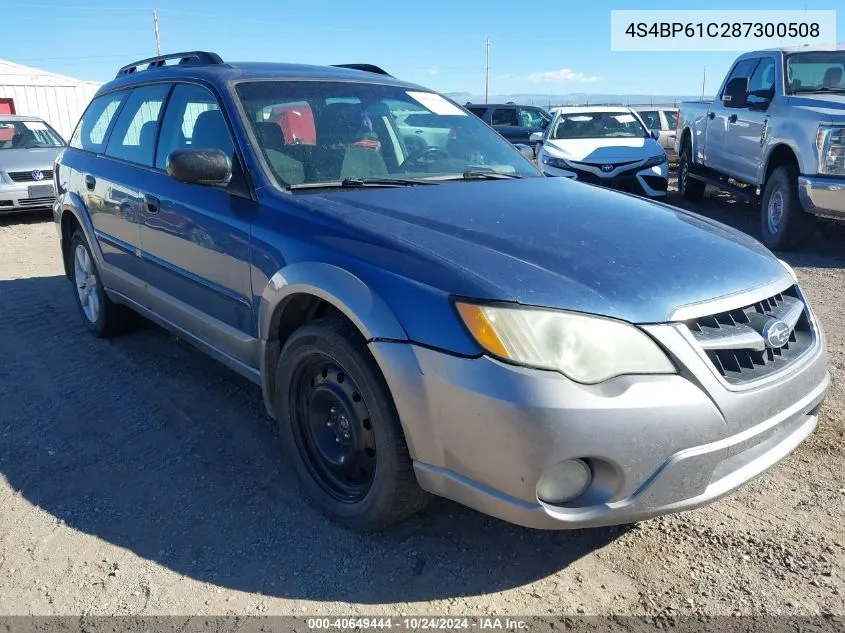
[333, 430]
[341, 429]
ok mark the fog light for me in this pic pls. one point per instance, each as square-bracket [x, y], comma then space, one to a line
[564, 481]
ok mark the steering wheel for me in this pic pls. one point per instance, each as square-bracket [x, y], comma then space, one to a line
[426, 152]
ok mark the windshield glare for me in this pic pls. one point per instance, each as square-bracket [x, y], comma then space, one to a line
[315, 132]
[27, 135]
[596, 125]
[818, 70]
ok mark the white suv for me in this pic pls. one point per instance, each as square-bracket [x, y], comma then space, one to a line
[605, 146]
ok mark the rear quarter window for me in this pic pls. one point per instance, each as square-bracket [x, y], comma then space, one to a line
[90, 134]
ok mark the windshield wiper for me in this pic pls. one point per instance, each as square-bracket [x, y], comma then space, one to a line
[476, 173]
[819, 89]
[360, 183]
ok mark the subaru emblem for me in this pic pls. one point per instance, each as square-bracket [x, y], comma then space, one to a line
[37, 175]
[607, 168]
[776, 333]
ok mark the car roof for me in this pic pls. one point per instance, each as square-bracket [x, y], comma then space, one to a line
[19, 117]
[586, 109]
[219, 73]
[501, 105]
[798, 49]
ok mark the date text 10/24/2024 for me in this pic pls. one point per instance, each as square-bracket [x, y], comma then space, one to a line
[419, 624]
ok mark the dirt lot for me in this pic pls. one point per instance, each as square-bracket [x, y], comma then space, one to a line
[138, 477]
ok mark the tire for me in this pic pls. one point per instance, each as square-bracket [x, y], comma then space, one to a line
[101, 315]
[688, 187]
[341, 429]
[785, 226]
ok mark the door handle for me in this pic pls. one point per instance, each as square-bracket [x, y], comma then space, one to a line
[90, 182]
[711, 115]
[418, 131]
[152, 203]
[732, 118]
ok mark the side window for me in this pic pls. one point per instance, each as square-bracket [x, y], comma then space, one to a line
[742, 69]
[479, 112]
[504, 116]
[651, 118]
[90, 134]
[671, 118]
[192, 119]
[531, 117]
[762, 79]
[134, 134]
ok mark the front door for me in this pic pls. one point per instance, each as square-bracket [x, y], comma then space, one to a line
[195, 238]
[746, 135]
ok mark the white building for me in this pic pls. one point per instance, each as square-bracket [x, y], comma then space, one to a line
[57, 99]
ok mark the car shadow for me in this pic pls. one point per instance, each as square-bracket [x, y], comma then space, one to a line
[30, 216]
[145, 443]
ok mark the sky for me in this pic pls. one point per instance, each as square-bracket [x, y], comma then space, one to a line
[536, 47]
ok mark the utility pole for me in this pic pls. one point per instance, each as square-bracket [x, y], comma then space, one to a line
[155, 24]
[703, 83]
[487, 74]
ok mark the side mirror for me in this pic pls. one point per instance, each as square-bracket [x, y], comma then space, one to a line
[655, 134]
[736, 93]
[525, 150]
[536, 137]
[200, 166]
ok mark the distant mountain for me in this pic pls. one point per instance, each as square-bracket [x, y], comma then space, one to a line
[573, 98]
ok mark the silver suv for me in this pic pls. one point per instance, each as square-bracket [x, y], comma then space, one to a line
[28, 149]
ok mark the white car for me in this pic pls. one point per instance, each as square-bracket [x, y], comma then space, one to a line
[605, 146]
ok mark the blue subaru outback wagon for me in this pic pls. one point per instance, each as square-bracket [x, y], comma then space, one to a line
[424, 311]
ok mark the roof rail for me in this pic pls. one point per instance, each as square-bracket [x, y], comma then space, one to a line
[192, 58]
[367, 68]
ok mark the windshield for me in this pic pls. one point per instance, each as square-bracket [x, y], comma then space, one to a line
[596, 125]
[27, 135]
[323, 132]
[818, 71]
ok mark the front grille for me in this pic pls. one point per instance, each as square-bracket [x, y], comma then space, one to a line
[26, 176]
[46, 201]
[734, 341]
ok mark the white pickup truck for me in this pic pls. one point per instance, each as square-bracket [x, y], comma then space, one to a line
[775, 134]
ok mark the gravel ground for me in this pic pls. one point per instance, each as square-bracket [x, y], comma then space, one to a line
[138, 477]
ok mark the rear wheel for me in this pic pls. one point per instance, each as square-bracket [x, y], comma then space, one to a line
[100, 314]
[688, 187]
[341, 428]
[785, 225]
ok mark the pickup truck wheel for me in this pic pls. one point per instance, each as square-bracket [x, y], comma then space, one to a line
[341, 429]
[100, 314]
[785, 224]
[688, 187]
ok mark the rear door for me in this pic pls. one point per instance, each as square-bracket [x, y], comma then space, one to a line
[718, 145]
[195, 238]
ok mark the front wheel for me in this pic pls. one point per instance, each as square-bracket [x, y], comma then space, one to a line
[785, 225]
[341, 428]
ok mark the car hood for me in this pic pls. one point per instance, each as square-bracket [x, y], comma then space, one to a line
[556, 243]
[28, 159]
[828, 107]
[603, 150]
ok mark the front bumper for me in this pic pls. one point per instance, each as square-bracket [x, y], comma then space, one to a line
[649, 181]
[16, 197]
[483, 432]
[822, 195]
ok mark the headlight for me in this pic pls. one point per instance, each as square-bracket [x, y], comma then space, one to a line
[830, 143]
[656, 160]
[5, 179]
[586, 349]
[551, 161]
